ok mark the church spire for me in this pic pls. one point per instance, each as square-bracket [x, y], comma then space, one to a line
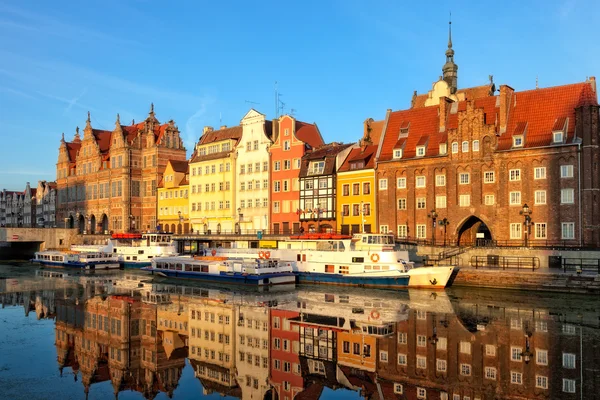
[450, 69]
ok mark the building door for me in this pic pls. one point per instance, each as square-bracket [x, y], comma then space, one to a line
[345, 229]
[473, 231]
[286, 228]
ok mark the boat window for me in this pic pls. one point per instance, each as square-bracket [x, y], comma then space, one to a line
[204, 268]
[140, 251]
[367, 267]
[341, 246]
[364, 239]
[371, 240]
[196, 268]
[376, 267]
[188, 267]
[385, 267]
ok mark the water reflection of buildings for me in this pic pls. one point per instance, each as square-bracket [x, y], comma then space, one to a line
[296, 345]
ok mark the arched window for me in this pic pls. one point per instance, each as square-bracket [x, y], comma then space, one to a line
[465, 146]
[475, 145]
[454, 147]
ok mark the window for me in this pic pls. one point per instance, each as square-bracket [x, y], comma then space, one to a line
[515, 231]
[383, 184]
[442, 343]
[515, 175]
[277, 186]
[539, 173]
[568, 230]
[463, 178]
[567, 196]
[566, 171]
[421, 362]
[540, 197]
[475, 145]
[277, 166]
[454, 147]
[356, 189]
[465, 369]
[465, 146]
[440, 180]
[490, 350]
[568, 360]
[401, 183]
[489, 199]
[276, 207]
[398, 153]
[401, 359]
[420, 151]
[402, 338]
[489, 177]
[569, 385]
[440, 201]
[402, 231]
[515, 353]
[421, 231]
[367, 188]
[464, 200]
[465, 347]
[421, 340]
[518, 141]
[346, 190]
[540, 230]
[443, 148]
[287, 164]
[383, 356]
[421, 393]
[541, 357]
[256, 145]
[441, 365]
[516, 378]
[398, 389]
[490, 373]
[557, 137]
[286, 145]
[515, 198]
[420, 181]
[316, 168]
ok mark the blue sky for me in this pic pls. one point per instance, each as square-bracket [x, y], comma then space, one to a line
[336, 62]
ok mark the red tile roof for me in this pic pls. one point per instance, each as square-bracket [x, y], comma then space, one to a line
[358, 154]
[535, 113]
[234, 132]
[72, 149]
[309, 133]
[179, 166]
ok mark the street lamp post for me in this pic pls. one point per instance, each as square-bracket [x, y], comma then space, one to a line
[444, 222]
[131, 223]
[362, 217]
[526, 213]
[433, 215]
[240, 216]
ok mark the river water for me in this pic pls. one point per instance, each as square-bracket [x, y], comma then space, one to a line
[67, 335]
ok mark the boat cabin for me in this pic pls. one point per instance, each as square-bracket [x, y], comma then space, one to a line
[374, 241]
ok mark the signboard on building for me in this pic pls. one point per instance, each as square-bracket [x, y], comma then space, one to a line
[15, 237]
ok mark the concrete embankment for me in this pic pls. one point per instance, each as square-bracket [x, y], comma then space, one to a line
[521, 280]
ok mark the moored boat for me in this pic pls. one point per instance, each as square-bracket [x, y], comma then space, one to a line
[257, 272]
[74, 259]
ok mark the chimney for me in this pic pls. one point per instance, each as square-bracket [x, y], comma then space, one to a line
[223, 127]
[445, 104]
[506, 93]
[207, 129]
[593, 83]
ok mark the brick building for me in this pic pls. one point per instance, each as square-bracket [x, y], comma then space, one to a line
[512, 167]
[108, 180]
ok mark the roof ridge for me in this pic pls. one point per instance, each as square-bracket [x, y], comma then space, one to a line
[552, 87]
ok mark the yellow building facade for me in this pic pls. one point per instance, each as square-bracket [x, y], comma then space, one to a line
[357, 349]
[173, 198]
[355, 192]
[212, 182]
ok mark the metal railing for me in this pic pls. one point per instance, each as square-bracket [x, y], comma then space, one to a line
[505, 262]
[581, 265]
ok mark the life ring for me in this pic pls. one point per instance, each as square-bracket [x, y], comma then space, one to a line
[261, 254]
[267, 254]
[375, 314]
[213, 252]
[375, 257]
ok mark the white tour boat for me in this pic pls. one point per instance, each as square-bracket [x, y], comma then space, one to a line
[364, 259]
[257, 272]
[74, 259]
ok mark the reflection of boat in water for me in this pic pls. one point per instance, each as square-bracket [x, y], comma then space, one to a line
[239, 271]
[365, 260]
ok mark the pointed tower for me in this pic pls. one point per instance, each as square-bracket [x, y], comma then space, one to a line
[450, 69]
[87, 131]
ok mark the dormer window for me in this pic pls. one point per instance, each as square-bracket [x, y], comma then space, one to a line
[357, 164]
[557, 137]
[443, 148]
[398, 153]
[420, 151]
[404, 129]
[518, 141]
[316, 168]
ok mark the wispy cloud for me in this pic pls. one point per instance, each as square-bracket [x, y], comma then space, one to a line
[194, 124]
[17, 93]
[74, 101]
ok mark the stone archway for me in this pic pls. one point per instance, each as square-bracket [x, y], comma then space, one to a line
[173, 228]
[473, 231]
[179, 229]
[93, 224]
[104, 224]
[70, 222]
[80, 224]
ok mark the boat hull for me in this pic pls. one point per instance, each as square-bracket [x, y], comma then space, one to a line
[380, 282]
[135, 264]
[431, 277]
[235, 278]
[76, 265]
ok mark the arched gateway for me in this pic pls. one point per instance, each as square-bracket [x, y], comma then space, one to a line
[472, 232]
